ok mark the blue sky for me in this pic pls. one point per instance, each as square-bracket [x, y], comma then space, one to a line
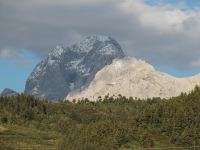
[172, 46]
[177, 73]
[15, 70]
[189, 3]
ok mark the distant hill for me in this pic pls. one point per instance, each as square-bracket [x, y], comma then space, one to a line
[8, 92]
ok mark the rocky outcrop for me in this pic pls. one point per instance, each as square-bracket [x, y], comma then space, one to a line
[72, 68]
[134, 78]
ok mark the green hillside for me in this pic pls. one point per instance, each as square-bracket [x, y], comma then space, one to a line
[108, 124]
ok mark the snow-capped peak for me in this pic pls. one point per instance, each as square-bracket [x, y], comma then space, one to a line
[71, 68]
[88, 43]
[56, 52]
[108, 50]
[102, 38]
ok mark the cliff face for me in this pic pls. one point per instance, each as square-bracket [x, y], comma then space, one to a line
[72, 68]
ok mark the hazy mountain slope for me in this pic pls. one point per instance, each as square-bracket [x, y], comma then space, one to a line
[66, 69]
[8, 92]
[136, 78]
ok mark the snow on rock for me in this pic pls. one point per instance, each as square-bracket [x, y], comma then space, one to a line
[73, 64]
[71, 68]
[57, 52]
[87, 44]
[108, 50]
[102, 38]
[84, 46]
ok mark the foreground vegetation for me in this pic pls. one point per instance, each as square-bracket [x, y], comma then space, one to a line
[108, 124]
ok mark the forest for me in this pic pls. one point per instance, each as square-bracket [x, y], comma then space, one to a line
[110, 123]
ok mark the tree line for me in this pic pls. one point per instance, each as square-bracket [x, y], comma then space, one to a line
[110, 122]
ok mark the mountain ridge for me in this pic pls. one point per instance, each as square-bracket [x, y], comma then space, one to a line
[97, 66]
[134, 78]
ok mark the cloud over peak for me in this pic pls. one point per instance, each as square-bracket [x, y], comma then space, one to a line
[163, 34]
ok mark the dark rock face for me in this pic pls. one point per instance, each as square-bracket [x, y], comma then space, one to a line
[8, 92]
[72, 68]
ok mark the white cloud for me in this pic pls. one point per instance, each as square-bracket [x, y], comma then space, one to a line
[20, 57]
[67, 3]
[4, 53]
[162, 34]
[163, 17]
[196, 63]
[167, 34]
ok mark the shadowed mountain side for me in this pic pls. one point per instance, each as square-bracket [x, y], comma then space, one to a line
[67, 69]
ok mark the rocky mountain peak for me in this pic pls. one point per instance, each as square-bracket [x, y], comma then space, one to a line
[74, 67]
[56, 52]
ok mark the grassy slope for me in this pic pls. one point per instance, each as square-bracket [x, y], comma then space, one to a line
[19, 137]
[162, 142]
[120, 123]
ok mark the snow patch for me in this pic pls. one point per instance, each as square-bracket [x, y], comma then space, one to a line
[103, 38]
[86, 45]
[73, 64]
[107, 50]
[51, 61]
[57, 52]
[35, 91]
[83, 70]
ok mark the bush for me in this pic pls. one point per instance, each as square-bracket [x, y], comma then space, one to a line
[4, 119]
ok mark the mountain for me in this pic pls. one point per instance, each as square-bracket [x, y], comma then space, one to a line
[72, 68]
[8, 92]
[136, 78]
